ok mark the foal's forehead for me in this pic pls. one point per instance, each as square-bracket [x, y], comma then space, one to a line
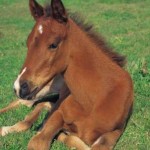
[40, 29]
[50, 25]
[41, 26]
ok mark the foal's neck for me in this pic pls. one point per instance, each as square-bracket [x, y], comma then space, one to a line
[86, 72]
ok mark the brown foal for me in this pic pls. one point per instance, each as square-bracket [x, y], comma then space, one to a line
[95, 113]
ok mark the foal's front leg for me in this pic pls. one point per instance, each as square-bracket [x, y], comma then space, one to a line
[43, 139]
[27, 122]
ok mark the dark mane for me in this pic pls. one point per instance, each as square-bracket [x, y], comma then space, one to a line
[88, 28]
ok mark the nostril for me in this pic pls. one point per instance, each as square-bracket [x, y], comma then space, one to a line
[24, 90]
[24, 85]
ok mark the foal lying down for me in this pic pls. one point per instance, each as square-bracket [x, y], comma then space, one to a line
[94, 114]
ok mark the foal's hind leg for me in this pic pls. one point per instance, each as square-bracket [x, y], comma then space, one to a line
[72, 141]
[27, 122]
[107, 141]
[12, 105]
[15, 104]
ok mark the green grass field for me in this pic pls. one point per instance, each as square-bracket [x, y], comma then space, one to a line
[126, 26]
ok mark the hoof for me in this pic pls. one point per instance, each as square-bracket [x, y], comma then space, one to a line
[4, 131]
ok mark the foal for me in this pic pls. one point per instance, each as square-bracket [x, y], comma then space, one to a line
[56, 86]
[101, 93]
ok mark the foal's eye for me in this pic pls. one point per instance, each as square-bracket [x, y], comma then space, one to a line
[53, 46]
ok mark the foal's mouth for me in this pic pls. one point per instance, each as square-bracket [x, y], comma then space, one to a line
[33, 94]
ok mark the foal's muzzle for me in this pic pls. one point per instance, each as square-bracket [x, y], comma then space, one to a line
[24, 91]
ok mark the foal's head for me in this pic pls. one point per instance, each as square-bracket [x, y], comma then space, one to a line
[45, 45]
[49, 45]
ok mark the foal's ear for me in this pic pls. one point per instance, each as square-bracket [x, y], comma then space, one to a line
[58, 11]
[36, 10]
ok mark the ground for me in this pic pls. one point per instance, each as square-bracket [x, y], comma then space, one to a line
[125, 24]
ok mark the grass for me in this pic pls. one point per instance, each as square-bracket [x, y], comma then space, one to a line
[125, 25]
